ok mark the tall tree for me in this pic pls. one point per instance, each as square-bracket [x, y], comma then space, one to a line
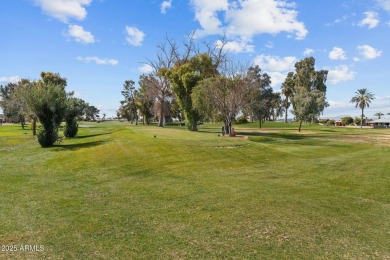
[225, 93]
[362, 99]
[129, 106]
[167, 56]
[8, 103]
[91, 113]
[48, 102]
[185, 77]
[21, 95]
[309, 98]
[288, 90]
[277, 108]
[258, 100]
[145, 100]
[14, 102]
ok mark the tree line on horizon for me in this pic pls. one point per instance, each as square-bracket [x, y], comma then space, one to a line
[209, 85]
[47, 102]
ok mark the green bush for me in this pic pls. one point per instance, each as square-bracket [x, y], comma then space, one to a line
[71, 128]
[357, 120]
[242, 120]
[347, 120]
[47, 137]
[330, 122]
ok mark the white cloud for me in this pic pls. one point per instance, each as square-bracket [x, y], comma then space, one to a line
[146, 68]
[308, 52]
[80, 35]
[98, 61]
[337, 54]
[277, 78]
[13, 79]
[63, 10]
[276, 67]
[385, 4]
[371, 20]
[236, 46]
[340, 104]
[369, 52]
[253, 17]
[206, 13]
[247, 18]
[275, 63]
[165, 5]
[340, 73]
[382, 97]
[134, 36]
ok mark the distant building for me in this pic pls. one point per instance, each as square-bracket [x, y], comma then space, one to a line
[2, 119]
[380, 123]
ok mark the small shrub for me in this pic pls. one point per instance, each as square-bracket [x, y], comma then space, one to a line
[330, 122]
[357, 121]
[71, 129]
[347, 120]
[47, 138]
[242, 120]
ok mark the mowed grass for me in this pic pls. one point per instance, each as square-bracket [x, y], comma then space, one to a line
[117, 192]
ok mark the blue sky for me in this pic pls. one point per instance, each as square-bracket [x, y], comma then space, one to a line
[98, 44]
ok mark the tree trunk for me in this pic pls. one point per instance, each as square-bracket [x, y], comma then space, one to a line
[161, 118]
[361, 121]
[34, 126]
[285, 116]
[300, 125]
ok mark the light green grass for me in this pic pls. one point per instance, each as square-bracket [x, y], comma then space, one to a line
[117, 192]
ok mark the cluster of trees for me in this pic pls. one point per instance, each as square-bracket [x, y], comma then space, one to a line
[45, 100]
[210, 85]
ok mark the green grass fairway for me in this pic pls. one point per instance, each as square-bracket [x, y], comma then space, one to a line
[117, 192]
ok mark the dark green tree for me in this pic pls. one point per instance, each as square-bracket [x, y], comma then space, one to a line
[145, 100]
[91, 113]
[48, 102]
[129, 108]
[346, 120]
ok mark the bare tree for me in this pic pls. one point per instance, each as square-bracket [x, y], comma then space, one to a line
[167, 56]
[226, 92]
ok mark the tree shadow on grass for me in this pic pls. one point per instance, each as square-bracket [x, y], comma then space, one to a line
[87, 136]
[287, 136]
[73, 147]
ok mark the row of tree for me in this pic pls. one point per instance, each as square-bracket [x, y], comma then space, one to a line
[211, 85]
[45, 100]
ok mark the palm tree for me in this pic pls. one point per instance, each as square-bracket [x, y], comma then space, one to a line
[288, 91]
[379, 114]
[362, 99]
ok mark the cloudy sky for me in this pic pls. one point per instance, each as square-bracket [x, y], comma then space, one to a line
[98, 44]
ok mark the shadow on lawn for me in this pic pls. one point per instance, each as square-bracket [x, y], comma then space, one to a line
[73, 147]
[92, 135]
[287, 136]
